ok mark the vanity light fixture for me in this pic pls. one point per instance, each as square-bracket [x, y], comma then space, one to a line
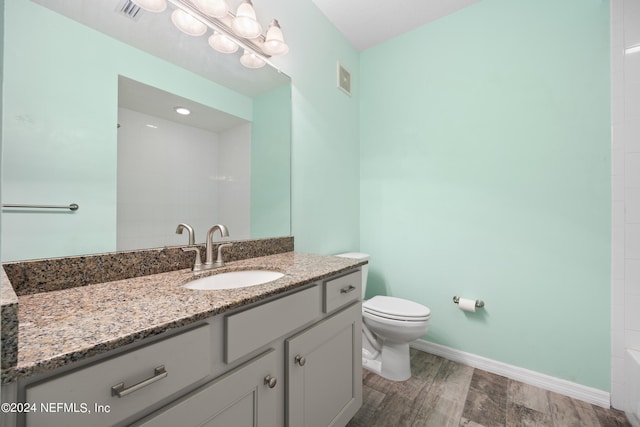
[213, 8]
[230, 31]
[251, 60]
[222, 43]
[182, 111]
[274, 41]
[245, 23]
[187, 23]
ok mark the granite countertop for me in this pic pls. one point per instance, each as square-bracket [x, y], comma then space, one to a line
[59, 327]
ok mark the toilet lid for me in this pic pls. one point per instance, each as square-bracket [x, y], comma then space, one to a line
[396, 308]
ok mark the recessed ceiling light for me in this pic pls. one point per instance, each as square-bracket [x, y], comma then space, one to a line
[183, 111]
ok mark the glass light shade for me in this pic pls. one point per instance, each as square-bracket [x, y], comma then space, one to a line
[155, 6]
[251, 60]
[187, 23]
[245, 23]
[215, 8]
[222, 43]
[274, 41]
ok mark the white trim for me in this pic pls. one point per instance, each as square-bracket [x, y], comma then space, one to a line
[547, 382]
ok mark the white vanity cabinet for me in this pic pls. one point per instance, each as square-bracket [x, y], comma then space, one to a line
[290, 360]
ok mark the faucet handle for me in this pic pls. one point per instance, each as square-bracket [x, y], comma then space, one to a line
[219, 261]
[197, 266]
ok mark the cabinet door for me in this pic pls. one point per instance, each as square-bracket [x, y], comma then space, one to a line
[243, 397]
[324, 371]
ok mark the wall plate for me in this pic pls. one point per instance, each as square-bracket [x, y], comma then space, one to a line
[344, 79]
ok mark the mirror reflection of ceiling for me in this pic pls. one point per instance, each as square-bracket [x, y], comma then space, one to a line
[155, 33]
[152, 101]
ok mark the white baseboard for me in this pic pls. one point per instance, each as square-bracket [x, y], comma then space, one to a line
[547, 382]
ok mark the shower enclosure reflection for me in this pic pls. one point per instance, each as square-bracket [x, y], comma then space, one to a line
[173, 168]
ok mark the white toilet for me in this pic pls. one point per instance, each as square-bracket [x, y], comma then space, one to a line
[389, 325]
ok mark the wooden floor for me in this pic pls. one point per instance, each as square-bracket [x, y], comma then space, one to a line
[444, 393]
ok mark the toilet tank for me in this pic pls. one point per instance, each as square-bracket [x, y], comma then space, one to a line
[365, 268]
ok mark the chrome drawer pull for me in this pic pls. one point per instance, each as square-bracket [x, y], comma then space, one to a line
[348, 289]
[158, 374]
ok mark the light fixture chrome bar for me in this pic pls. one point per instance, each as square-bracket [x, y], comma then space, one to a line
[71, 207]
[220, 26]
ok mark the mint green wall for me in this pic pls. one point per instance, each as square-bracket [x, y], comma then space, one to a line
[325, 151]
[60, 115]
[270, 149]
[485, 171]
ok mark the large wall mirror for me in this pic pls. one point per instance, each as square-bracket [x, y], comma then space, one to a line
[88, 119]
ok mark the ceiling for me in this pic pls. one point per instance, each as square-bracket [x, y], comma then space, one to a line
[366, 23]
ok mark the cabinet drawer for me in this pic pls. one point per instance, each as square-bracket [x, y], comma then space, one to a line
[253, 328]
[242, 397]
[83, 393]
[341, 291]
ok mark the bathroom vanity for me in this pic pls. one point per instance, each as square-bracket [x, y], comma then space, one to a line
[146, 351]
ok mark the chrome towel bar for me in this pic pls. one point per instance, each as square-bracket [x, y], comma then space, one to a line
[71, 207]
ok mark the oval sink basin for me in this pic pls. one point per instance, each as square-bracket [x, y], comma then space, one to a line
[234, 280]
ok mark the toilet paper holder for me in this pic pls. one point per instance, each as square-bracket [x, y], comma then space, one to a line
[479, 302]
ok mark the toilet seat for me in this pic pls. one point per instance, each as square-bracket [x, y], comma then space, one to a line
[395, 309]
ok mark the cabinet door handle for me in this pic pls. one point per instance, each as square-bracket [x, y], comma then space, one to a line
[300, 360]
[270, 381]
[158, 374]
[348, 289]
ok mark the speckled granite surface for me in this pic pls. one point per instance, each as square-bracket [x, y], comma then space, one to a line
[44, 275]
[8, 325]
[59, 327]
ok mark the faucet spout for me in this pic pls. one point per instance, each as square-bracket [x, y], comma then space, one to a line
[209, 263]
[192, 237]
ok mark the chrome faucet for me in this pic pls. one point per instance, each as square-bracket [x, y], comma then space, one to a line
[209, 263]
[192, 236]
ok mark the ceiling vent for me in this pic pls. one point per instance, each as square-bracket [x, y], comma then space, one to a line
[344, 79]
[130, 10]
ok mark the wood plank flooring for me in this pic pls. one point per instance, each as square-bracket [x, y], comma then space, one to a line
[443, 393]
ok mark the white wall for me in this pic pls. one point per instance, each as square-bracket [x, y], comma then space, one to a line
[152, 202]
[625, 179]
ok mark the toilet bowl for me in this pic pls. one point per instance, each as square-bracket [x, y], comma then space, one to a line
[389, 325]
